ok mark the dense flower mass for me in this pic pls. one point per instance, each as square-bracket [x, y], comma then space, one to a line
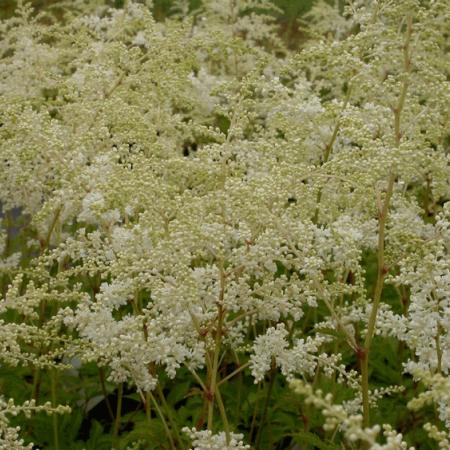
[224, 242]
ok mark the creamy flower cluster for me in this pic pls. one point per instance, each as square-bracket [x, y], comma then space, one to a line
[192, 192]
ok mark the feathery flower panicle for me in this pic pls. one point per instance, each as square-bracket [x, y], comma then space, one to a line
[190, 208]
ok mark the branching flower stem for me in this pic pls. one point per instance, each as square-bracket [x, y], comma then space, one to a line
[363, 352]
[328, 149]
[213, 385]
[232, 374]
[197, 378]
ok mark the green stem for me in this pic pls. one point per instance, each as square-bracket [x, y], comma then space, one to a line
[101, 373]
[328, 150]
[232, 374]
[254, 416]
[404, 90]
[381, 270]
[439, 350]
[52, 226]
[36, 384]
[118, 411]
[168, 413]
[363, 352]
[364, 367]
[53, 382]
[163, 420]
[307, 407]
[223, 413]
[197, 378]
[217, 345]
[266, 407]
[239, 390]
[148, 411]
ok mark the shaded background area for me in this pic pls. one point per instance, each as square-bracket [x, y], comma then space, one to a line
[292, 10]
